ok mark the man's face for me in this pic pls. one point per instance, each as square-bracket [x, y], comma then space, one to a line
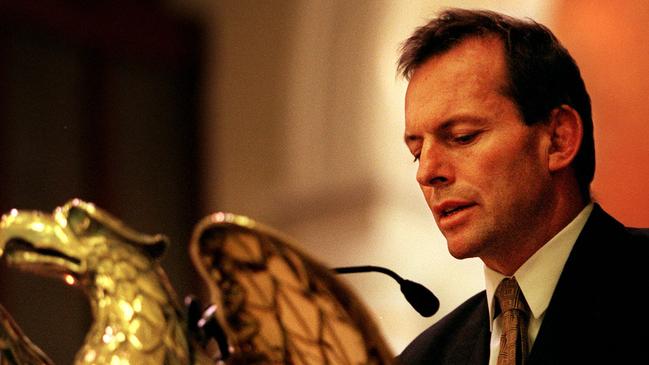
[483, 172]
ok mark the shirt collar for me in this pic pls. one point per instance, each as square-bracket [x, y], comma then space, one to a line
[539, 275]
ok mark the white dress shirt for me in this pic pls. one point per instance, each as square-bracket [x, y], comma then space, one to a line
[537, 278]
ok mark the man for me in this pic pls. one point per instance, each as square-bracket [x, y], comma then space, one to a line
[499, 121]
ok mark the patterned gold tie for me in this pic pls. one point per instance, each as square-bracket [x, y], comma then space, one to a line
[516, 314]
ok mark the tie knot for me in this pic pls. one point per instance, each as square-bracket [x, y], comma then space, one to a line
[509, 296]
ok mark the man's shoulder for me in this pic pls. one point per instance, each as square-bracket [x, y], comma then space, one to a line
[450, 335]
[606, 241]
[602, 225]
[641, 234]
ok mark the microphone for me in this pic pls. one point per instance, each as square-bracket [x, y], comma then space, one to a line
[419, 297]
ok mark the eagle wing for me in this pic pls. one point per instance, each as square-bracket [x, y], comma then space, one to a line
[15, 347]
[277, 305]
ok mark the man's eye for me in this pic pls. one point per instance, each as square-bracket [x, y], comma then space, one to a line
[416, 158]
[465, 138]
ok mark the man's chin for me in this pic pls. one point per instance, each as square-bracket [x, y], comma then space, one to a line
[461, 249]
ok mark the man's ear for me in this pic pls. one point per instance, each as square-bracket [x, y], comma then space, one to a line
[566, 134]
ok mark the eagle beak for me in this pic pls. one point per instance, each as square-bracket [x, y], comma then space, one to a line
[35, 240]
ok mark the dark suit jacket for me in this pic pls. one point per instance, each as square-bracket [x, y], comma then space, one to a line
[597, 314]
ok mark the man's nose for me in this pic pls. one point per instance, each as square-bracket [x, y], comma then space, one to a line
[435, 168]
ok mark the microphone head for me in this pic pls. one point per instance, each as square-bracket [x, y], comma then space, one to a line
[422, 299]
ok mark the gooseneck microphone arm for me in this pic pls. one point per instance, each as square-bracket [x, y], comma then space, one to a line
[419, 297]
[369, 268]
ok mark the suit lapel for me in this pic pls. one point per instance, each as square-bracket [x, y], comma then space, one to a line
[480, 353]
[472, 344]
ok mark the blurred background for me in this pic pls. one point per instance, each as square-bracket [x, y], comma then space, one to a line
[287, 111]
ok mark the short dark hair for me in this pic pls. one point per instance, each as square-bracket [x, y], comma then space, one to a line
[541, 73]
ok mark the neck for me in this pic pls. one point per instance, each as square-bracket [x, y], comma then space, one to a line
[563, 204]
[134, 316]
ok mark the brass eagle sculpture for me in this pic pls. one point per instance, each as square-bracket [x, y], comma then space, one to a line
[269, 303]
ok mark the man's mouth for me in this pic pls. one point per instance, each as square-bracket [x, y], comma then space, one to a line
[451, 211]
[448, 209]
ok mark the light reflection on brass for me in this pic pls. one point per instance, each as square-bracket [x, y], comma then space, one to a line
[272, 304]
[118, 270]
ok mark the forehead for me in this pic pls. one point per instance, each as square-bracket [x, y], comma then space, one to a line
[472, 72]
